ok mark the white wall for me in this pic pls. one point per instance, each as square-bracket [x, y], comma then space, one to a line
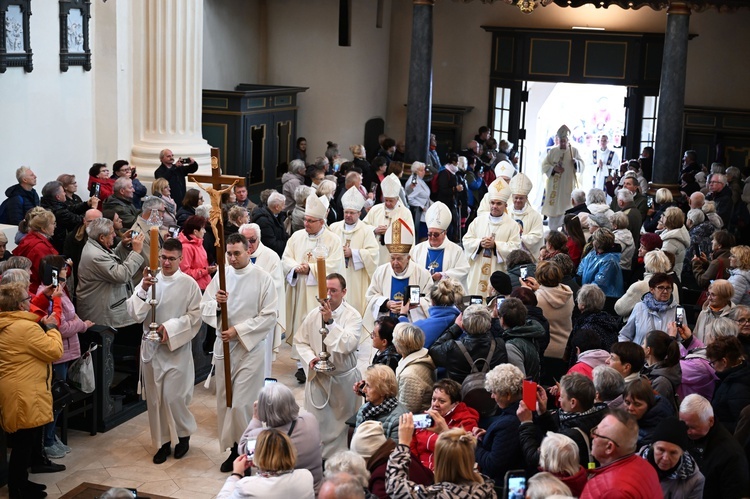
[231, 43]
[46, 116]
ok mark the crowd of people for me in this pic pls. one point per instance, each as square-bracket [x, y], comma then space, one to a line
[604, 354]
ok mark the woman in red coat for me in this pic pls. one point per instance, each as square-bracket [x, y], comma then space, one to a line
[36, 244]
[99, 174]
[447, 412]
[194, 259]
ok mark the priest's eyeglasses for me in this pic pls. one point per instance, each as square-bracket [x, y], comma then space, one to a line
[435, 234]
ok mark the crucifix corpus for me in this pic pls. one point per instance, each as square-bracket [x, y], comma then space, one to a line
[217, 180]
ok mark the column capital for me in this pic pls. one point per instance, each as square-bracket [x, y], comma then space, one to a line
[678, 8]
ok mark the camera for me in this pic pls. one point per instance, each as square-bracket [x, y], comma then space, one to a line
[185, 161]
[422, 421]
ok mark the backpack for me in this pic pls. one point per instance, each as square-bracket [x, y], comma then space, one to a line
[4, 209]
[434, 186]
[473, 392]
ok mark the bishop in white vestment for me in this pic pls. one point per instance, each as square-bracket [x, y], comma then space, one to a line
[264, 257]
[252, 306]
[528, 219]
[382, 215]
[298, 263]
[329, 395]
[561, 165]
[167, 372]
[389, 287]
[489, 240]
[360, 248]
[438, 255]
[602, 160]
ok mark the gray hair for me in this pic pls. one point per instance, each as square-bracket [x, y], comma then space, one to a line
[733, 172]
[717, 168]
[345, 485]
[16, 275]
[657, 262]
[709, 207]
[17, 262]
[477, 320]
[719, 177]
[663, 195]
[326, 188]
[236, 212]
[99, 227]
[578, 196]
[608, 383]
[591, 298]
[620, 220]
[152, 203]
[276, 405]
[121, 183]
[407, 338]
[721, 326]
[348, 462]
[625, 196]
[559, 454]
[22, 172]
[600, 220]
[543, 485]
[50, 188]
[504, 379]
[696, 216]
[301, 193]
[698, 405]
[245, 227]
[596, 196]
[203, 210]
[297, 166]
[276, 198]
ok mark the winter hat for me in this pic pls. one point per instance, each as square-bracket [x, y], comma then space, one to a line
[651, 241]
[368, 438]
[501, 283]
[600, 220]
[671, 430]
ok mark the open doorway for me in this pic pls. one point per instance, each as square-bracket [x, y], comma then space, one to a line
[589, 110]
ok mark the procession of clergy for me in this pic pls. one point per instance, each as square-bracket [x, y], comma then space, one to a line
[366, 277]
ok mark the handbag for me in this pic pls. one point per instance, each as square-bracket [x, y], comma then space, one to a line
[81, 373]
[62, 395]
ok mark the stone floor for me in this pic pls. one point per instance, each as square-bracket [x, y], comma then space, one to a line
[122, 456]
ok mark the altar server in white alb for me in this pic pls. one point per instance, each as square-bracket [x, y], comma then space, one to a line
[382, 215]
[529, 221]
[329, 395]
[298, 263]
[264, 257]
[602, 160]
[360, 247]
[167, 372]
[251, 303]
[438, 255]
[489, 239]
[389, 287]
[561, 165]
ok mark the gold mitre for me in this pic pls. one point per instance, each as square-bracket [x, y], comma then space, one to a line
[399, 237]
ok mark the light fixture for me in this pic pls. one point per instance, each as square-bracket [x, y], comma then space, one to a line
[528, 6]
[588, 28]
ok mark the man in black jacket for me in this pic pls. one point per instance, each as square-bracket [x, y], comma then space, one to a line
[721, 194]
[719, 456]
[271, 222]
[175, 174]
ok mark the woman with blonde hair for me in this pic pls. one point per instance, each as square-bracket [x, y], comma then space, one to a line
[446, 295]
[674, 235]
[718, 304]
[275, 458]
[546, 485]
[381, 403]
[327, 188]
[739, 274]
[160, 188]
[36, 243]
[662, 200]
[455, 475]
[416, 370]
[558, 455]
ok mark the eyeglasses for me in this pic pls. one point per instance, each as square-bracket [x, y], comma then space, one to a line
[167, 258]
[252, 241]
[311, 220]
[664, 289]
[435, 234]
[28, 298]
[595, 434]
[744, 320]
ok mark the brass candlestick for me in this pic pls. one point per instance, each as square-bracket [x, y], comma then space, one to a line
[153, 334]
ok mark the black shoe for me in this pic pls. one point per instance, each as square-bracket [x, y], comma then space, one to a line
[182, 447]
[300, 375]
[26, 492]
[47, 467]
[163, 453]
[228, 465]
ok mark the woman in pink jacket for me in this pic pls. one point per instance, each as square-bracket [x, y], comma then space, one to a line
[194, 259]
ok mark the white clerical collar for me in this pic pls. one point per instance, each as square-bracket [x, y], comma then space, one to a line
[402, 274]
[246, 269]
[520, 212]
[350, 227]
[257, 251]
[496, 220]
[315, 236]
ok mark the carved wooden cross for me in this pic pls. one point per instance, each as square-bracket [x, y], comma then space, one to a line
[216, 179]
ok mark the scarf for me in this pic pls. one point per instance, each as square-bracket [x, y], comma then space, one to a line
[655, 305]
[370, 411]
[568, 416]
[684, 469]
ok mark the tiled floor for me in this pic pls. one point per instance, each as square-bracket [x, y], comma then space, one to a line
[122, 456]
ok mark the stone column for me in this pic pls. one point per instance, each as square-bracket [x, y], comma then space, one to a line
[168, 82]
[667, 155]
[419, 102]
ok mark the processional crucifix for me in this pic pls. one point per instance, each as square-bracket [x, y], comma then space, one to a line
[216, 179]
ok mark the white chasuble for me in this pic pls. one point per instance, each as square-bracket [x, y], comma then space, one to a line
[268, 260]
[448, 259]
[378, 215]
[484, 261]
[381, 291]
[532, 236]
[560, 186]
